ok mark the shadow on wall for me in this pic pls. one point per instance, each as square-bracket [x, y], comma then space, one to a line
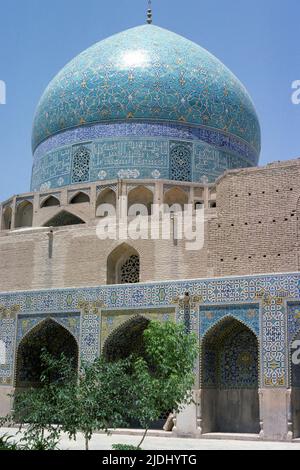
[24, 215]
[47, 335]
[62, 219]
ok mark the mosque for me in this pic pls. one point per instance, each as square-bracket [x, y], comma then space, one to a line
[149, 117]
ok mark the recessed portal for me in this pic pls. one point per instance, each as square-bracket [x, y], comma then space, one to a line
[230, 400]
[24, 215]
[50, 336]
[126, 340]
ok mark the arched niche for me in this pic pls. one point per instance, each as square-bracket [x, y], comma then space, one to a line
[123, 265]
[64, 218]
[229, 379]
[24, 214]
[50, 201]
[107, 196]
[176, 198]
[141, 195]
[50, 336]
[7, 218]
[80, 198]
[127, 339]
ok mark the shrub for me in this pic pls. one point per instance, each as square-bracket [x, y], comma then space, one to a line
[164, 378]
[6, 443]
[124, 447]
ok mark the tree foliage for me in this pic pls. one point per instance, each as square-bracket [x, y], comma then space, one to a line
[164, 378]
[90, 401]
[97, 401]
[105, 395]
[37, 410]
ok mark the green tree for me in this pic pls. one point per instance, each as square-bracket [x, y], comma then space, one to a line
[69, 402]
[163, 379]
[105, 395]
[98, 400]
[38, 408]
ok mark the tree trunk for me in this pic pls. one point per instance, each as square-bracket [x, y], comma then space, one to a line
[143, 438]
[86, 443]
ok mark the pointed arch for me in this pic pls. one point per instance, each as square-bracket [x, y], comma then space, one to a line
[107, 196]
[176, 198]
[230, 378]
[141, 195]
[64, 218]
[126, 339]
[50, 201]
[80, 198]
[227, 318]
[7, 218]
[51, 336]
[123, 265]
[24, 215]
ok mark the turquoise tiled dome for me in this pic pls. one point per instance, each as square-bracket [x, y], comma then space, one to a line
[146, 73]
[143, 104]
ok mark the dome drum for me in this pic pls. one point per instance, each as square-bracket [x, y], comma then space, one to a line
[137, 158]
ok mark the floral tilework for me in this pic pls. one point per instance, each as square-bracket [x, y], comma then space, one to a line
[180, 161]
[247, 314]
[239, 362]
[230, 357]
[90, 336]
[238, 297]
[26, 322]
[128, 97]
[146, 73]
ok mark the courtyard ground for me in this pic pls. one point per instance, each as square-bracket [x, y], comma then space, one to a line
[103, 442]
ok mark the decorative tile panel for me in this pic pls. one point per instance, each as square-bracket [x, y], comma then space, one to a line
[247, 314]
[81, 165]
[7, 335]
[217, 139]
[26, 322]
[136, 158]
[236, 296]
[180, 161]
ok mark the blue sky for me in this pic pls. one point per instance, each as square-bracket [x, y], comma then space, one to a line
[257, 39]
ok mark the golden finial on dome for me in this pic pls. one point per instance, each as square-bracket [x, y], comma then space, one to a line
[149, 12]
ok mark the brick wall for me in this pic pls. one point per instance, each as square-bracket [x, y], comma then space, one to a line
[254, 229]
